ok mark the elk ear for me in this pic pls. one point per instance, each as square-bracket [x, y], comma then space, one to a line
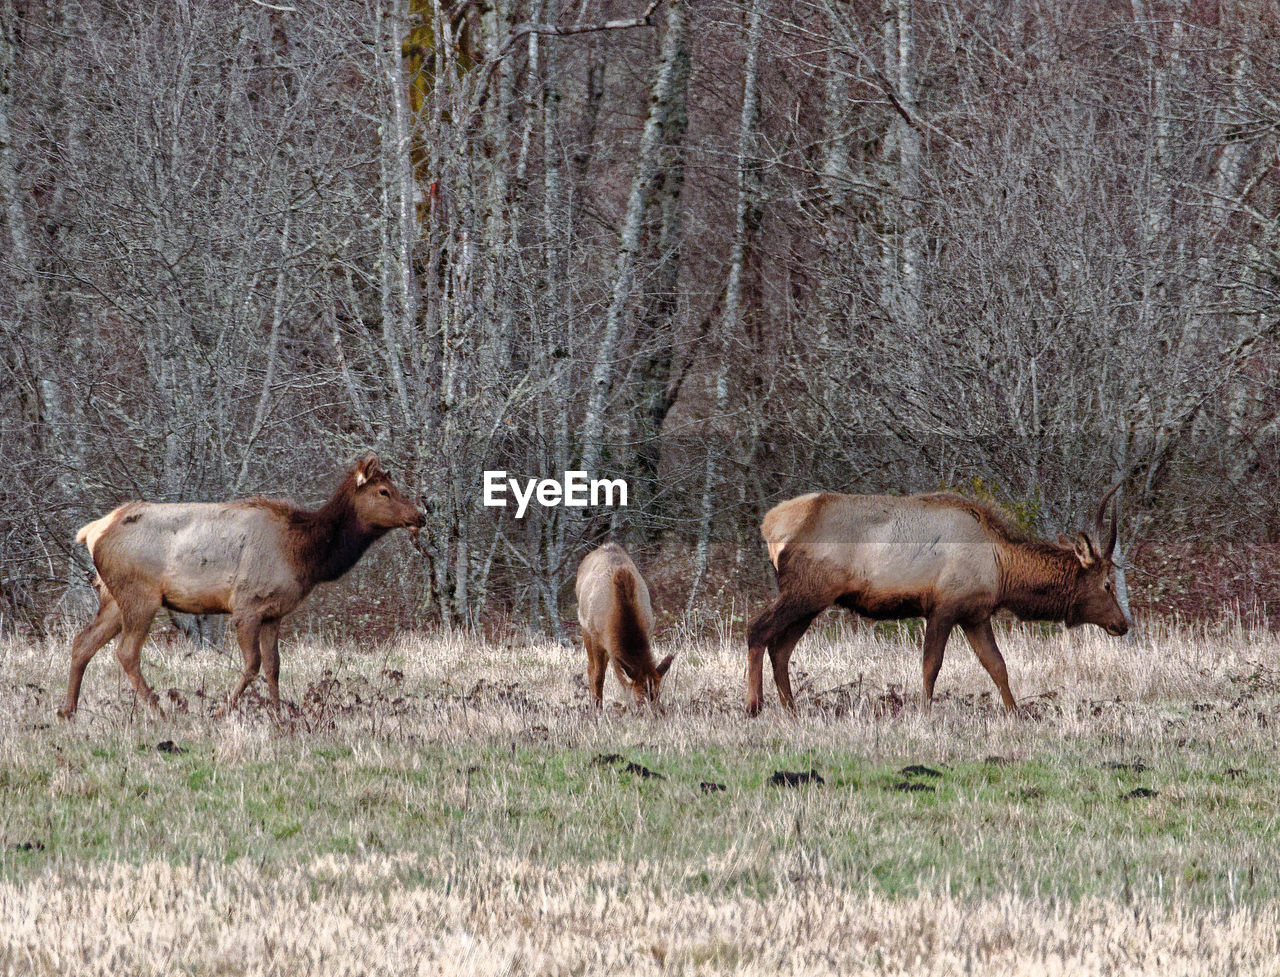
[366, 468]
[1086, 552]
[665, 665]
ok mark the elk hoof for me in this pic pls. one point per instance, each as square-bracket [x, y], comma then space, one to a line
[753, 707]
[65, 713]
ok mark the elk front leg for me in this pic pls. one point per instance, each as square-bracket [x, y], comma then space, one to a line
[269, 646]
[983, 640]
[247, 630]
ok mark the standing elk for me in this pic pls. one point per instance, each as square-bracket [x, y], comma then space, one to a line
[941, 557]
[616, 618]
[255, 559]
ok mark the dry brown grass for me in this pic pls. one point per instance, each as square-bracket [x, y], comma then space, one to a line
[338, 916]
[512, 872]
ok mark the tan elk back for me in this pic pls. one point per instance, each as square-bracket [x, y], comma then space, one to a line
[616, 617]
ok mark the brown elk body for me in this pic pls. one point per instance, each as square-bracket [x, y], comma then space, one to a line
[941, 557]
[255, 559]
[616, 619]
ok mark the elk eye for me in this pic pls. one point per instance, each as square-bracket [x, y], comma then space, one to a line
[386, 493]
[1107, 586]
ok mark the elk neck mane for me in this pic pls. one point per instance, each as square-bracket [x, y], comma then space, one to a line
[1037, 577]
[327, 542]
[631, 640]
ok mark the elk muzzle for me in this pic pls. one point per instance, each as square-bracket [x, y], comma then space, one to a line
[415, 522]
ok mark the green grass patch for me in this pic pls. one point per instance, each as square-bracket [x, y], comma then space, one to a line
[1060, 823]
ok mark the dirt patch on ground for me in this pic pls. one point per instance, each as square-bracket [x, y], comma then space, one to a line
[792, 778]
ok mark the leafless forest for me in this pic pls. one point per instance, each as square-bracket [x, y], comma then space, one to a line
[730, 250]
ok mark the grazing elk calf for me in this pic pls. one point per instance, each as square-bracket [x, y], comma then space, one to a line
[255, 559]
[616, 618]
[941, 557]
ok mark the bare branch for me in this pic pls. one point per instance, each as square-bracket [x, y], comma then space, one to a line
[521, 31]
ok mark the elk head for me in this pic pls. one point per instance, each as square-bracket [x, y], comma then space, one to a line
[646, 687]
[378, 502]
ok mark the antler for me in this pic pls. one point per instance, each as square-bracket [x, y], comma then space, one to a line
[1097, 520]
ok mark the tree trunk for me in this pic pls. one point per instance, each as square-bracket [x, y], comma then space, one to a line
[746, 220]
[657, 334]
[31, 329]
[902, 251]
[909, 162]
[647, 172]
[272, 356]
[398, 226]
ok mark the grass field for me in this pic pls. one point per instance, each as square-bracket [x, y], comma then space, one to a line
[442, 805]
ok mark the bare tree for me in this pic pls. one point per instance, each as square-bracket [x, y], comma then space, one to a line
[745, 225]
[667, 92]
[1018, 249]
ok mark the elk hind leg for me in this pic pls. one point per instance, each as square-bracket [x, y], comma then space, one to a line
[983, 640]
[758, 635]
[104, 626]
[269, 648]
[755, 678]
[937, 630]
[768, 631]
[780, 650]
[597, 665]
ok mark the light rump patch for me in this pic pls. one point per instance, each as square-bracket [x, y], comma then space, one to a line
[787, 519]
[90, 533]
[255, 559]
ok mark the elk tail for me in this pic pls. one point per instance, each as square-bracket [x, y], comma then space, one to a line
[82, 535]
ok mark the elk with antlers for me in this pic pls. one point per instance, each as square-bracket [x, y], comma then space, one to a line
[941, 557]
